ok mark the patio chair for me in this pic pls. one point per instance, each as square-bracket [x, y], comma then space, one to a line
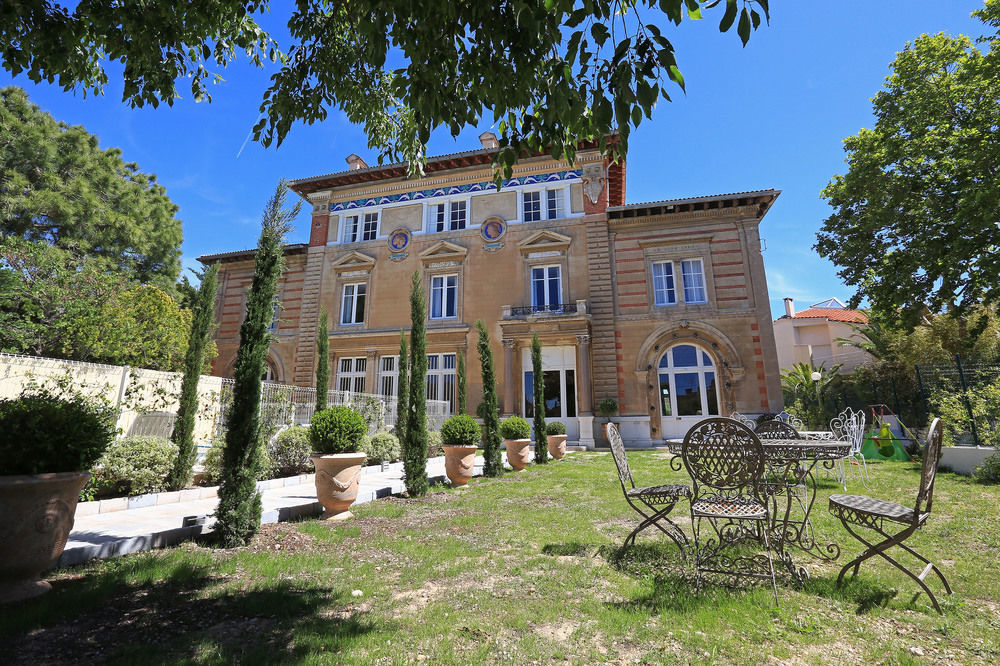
[850, 425]
[775, 429]
[726, 463]
[653, 503]
[881, 517]
[745, 420]
[790, 419]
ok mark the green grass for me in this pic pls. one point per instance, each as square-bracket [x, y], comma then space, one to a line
[519, 570]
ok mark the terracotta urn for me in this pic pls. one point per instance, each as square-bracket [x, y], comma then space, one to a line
[518, 452]
[459, 463]
[36, 516]
[337, 477]
[557, 446]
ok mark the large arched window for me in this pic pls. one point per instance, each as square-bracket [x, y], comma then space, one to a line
[269, 374]
[688, 385]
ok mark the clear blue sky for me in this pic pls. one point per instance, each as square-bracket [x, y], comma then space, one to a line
[772, 114]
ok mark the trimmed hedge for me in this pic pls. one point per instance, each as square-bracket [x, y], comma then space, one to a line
[460, 430]
[555, 428]
[337, 430]
[134, 466]
[515, 427]
[289, 452]
[382, 447]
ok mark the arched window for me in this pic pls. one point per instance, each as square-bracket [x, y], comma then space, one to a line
[688, 384]
[269, 374]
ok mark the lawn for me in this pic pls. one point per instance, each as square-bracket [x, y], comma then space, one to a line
[518, 570]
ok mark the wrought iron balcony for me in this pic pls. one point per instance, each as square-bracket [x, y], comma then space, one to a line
[525, 310]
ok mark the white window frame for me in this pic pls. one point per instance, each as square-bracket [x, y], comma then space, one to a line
[700, 274]
[700, 369]
[443, 289]
[352, 380]
[441, 367]
[273, 326]
[446, 209]
[672, 290]
[388, 376]
[351, 317]
[546, 279]
[357, 233]
[562, 199]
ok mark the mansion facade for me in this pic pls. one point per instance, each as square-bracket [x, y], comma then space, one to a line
[661, 306]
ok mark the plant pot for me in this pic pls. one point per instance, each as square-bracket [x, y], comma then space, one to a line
[337, 477]
[36, 516]
[605, 426]
[557, 446]
[518, 452]
[459, 463]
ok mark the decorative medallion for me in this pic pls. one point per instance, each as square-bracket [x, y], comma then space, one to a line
[492, 232]
[398, 241]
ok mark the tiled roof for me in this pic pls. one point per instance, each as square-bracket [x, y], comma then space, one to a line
[832, 314]
[236, 255]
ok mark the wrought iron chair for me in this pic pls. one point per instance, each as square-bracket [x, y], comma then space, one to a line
[790, 419]
[653, 503]
[775, 429]
[850, 425]
[726, 462]
[880, 516]
[745, 420]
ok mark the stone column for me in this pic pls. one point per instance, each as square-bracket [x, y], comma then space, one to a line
[584, 392]
[509, 379]
[371, 371]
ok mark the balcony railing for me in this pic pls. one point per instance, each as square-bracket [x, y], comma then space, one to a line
[525, 310]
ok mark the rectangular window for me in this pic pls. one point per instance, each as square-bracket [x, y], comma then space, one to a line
[273, 326]
[444, 296]
[371, 226]
[693, 279]
[458, 215]
[388, 376]
[553, 199]
[441, 378]
[559, 389]
[532, 206]
[351, 374]
[546, 288]
[351, 228]
[352, 307]
[664, 292]
[437, 216]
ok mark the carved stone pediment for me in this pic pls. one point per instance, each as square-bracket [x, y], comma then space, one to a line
[545, 241]
[443, 251]
[354, 261]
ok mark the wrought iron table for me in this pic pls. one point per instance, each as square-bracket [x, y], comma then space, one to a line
[791, 486]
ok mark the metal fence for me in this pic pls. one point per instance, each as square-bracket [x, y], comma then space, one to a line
[958, 377]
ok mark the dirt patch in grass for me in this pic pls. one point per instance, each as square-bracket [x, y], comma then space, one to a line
[270, 538]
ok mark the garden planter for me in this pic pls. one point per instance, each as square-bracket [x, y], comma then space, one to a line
[605, 426]
[459, 464]
[36, 516]
[337, 477]
[518, 452]
[557, 446]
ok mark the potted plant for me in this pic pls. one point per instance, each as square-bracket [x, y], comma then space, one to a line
[460, 436]
[336, 435]
[556, 435]
[516, 435]
[46, 445]
[607, 409]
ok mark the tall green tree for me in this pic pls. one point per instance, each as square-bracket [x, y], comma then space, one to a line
[538, 388]
[403, 391]
[194, 360]
[460, 382]
[550, 73]
[322, 361]
[492, 464]
[415, 446]
[239, 508]
[58, 186]
[915, 216]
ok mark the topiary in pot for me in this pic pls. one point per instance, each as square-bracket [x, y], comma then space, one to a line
[516, 435]
[460, 436]
[336, 435]
[607, 409]
[556, 435]
[46, 446]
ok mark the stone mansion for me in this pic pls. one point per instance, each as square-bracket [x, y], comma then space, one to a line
[661, 306]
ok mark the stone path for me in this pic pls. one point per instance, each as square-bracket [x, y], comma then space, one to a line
[104, 535]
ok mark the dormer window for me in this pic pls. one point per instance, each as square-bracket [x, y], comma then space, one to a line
[360, 227]
[448, 216]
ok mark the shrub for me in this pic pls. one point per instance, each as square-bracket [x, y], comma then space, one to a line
[337, 430]
[41, 433]
[135, 465]
[952, 406]
[607, 407]
[555, 428]
[289, 452]
[212, 463]
[515, 427]
[381, 447]
[434, 444]
[460, 430]
[989, 471]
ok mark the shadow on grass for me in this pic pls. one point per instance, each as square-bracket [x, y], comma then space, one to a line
[159, 610]
[571, 549]
[865, 594]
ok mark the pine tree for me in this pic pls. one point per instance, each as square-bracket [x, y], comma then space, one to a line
[460, 381]
[239, 507]
[415, 449]
[492, 466]
[322, 362]
[403, 392]
[201, 329]
[541, 451]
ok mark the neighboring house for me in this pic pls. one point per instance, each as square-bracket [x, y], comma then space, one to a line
[811, 336]
[661, 306]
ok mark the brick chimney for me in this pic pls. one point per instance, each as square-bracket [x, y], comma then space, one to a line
[354, 162]
[789, 307]
[489, 141]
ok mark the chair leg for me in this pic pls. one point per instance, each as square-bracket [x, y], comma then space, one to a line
[865, 479]
[674, 531]
[770, 561]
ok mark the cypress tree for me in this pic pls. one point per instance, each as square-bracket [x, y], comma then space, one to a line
[492, 466]
[415, 450]
[403, 392]
[541, 451]
[322, 362]
[201, 330]
[239, 507]
[460, 380]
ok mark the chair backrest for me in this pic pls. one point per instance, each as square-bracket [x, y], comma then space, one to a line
[775, 429]
[745, 420]
[850, 425]
[790, 419]
[723, 454]
[932, 456]
[618, 453]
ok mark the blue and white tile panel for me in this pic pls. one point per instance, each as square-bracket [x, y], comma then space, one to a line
[421, 195]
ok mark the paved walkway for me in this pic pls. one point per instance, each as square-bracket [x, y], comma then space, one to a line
[116, 533]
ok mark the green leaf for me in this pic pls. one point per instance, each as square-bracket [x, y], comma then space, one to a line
[743, 29]
[729, 17]
[600, 33]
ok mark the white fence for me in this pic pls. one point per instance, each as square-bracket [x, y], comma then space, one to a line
[146, 400]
